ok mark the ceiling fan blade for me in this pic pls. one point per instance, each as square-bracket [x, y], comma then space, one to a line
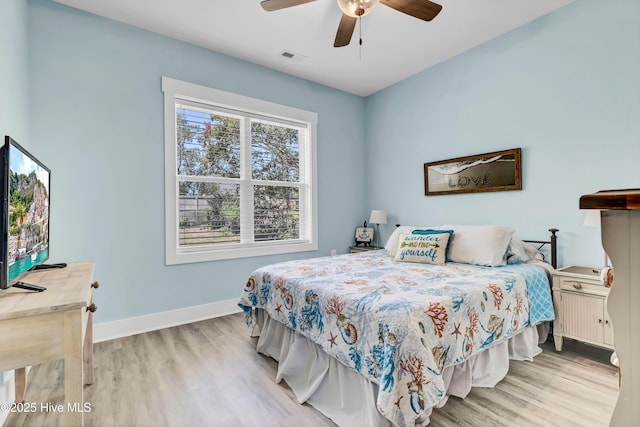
[421, 9]
[345, 31]
[271, 5]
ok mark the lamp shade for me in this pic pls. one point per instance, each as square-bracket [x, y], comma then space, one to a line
[592, 219]
[378, 217]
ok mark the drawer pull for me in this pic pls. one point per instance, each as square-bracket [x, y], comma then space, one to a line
[95, 285]
[577, 285]
[92, 308]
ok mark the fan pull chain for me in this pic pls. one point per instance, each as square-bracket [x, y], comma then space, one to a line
[360, 35]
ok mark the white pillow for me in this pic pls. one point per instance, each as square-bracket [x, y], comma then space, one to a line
[426, 248]
[479, 244]
[392, 242]
[519, 252]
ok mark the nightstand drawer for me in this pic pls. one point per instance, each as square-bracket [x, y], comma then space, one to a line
[577, 285]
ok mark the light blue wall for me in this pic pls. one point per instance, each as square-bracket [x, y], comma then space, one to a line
[97, 122]
[14, 89]
[565, 88]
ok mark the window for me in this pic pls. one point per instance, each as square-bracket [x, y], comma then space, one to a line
[239, 175]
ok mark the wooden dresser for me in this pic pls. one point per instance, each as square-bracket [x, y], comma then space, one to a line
[620, 218]
[37, 327]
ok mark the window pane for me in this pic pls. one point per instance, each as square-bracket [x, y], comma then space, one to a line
[276, 213]
[275, 152]
[207, 144]
[209, 213]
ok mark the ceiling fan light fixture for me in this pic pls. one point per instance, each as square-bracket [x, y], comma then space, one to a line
[357, 8]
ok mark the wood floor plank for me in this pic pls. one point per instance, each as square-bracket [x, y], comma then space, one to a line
[208, 374]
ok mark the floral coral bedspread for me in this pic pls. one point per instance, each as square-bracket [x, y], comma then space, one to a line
[400, 324]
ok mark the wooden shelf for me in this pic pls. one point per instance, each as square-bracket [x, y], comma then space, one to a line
[611, 199]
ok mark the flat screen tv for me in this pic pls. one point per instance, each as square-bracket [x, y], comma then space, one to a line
[25, 196]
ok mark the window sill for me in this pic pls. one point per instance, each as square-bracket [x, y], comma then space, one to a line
[204, 255]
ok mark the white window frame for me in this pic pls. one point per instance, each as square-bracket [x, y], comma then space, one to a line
[175, 91]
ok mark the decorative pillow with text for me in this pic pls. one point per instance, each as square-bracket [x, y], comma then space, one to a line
[426, 248]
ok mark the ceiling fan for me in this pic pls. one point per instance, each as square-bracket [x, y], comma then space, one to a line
[354, 9]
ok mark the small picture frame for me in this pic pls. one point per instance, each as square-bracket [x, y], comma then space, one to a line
[364, 235]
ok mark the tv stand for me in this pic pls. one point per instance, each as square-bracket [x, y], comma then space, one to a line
[44, 326]
[48, 266]
[28, 287]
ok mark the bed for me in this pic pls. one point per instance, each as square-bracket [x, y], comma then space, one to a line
[380, 338]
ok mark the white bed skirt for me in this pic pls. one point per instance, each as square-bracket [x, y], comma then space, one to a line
[349, 399]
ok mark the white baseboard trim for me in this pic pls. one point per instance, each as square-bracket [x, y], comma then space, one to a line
[166, 319]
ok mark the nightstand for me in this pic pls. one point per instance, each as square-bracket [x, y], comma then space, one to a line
[356, 249]
[579, 298]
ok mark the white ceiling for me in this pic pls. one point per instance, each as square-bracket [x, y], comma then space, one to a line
[395, 46]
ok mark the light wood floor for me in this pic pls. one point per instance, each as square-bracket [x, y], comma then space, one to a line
[208, 374]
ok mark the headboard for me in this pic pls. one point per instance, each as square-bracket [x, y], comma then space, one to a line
[552, 242]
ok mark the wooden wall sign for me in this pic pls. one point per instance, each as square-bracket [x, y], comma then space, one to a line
[496, 171]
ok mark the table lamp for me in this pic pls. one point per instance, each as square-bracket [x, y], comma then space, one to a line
[378, 217]
[592, 219]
